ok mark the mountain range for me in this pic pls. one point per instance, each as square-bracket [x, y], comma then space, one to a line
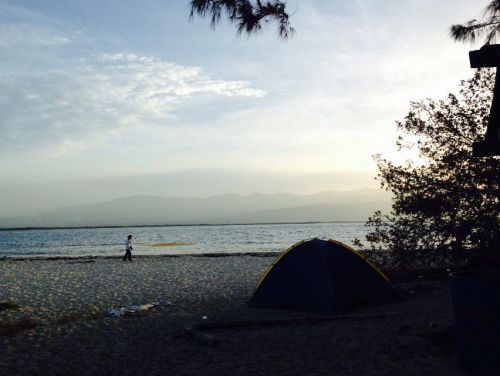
[353, 205]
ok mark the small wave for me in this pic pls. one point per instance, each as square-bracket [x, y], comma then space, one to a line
[174, 244]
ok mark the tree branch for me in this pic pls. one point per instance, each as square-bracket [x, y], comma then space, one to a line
[246, 14]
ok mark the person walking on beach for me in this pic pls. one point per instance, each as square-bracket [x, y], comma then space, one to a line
[128, 248]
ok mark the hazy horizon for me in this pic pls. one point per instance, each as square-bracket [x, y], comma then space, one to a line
[53, 195]
[285, 207]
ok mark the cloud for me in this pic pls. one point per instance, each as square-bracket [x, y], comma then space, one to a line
[335, 90]
[91, 97]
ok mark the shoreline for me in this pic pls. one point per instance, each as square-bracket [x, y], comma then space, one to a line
[385, 260]
[34, 228]
[93, 257]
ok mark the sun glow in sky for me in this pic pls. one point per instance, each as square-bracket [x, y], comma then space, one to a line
[108, 98]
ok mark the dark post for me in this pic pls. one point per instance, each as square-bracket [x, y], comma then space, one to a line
[489, 57]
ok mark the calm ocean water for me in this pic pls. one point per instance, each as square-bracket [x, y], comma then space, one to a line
[204, 239]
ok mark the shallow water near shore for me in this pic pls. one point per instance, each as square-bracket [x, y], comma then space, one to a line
[170, 240]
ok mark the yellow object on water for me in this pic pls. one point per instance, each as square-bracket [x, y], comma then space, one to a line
[175, 244]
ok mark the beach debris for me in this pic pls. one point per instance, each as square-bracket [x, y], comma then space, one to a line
[129, 311]
[114, 312]
[136, 310]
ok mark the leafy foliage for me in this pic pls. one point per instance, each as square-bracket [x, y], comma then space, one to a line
[488, 27]
[452, 199]
[247, 15]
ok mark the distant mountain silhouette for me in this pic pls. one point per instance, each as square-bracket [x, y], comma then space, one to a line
[354, 205]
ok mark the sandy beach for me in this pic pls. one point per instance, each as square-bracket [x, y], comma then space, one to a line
[61, 324]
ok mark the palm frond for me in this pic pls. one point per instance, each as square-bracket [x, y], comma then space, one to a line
[246, 14]
[493, 33]
[489, 26]
[463, 33]
[492, 9]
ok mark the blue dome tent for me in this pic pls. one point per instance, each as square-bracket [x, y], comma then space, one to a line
[324, 277]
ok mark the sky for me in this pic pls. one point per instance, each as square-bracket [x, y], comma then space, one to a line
[103, 99]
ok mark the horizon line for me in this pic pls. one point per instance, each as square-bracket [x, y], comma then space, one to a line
[30, 228]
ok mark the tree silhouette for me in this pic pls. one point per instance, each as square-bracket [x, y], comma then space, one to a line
[472, 30]
[452, 199]
[246, 14]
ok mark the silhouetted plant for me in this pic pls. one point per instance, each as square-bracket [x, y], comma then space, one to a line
[450, 200]
[488, 27]
[247, 15]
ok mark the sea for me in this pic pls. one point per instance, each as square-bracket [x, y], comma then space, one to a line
[170, 240]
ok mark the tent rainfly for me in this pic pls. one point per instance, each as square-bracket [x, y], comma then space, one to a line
[323, 277]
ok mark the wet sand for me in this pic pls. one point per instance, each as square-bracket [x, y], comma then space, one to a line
[63, 305]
